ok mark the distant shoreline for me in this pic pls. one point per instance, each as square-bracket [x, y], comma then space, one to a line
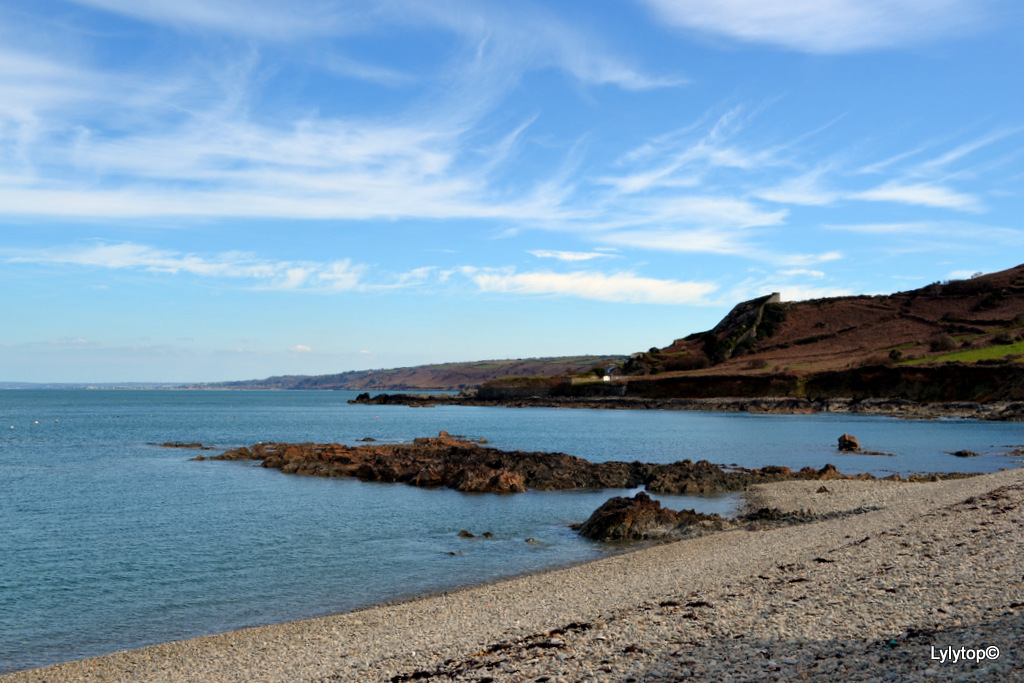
[996, 410]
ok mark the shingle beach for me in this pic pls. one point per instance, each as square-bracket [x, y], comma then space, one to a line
[897, 578]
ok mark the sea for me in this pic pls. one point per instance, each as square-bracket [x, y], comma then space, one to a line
[111, 541]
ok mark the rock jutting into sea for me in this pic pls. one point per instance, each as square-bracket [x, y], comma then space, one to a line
[469, 466]
[641, 518]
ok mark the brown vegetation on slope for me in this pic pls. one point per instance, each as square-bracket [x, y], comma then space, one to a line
[440, 377]
[847, 332]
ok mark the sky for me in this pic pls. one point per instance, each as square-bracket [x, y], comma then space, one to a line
[204, 191]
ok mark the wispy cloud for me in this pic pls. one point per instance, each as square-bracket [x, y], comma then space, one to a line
[914, 228]
[835, 26]
[943, 235]
[189, 145]
[791, 286]
[361, 70]
[688, 156]
[531, 36]
[967, 148]
[700, 240]
[570, 255]
[803, 190]
[257, 18]
[341, 275]
[615, 287]
[921, 194]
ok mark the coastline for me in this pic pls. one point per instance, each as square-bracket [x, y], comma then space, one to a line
[934, 565]
[891, 407]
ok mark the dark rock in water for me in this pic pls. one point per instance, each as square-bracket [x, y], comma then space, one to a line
[194, 445]
[642, 518]
[469, 466]
[849, 443]
[966, 454]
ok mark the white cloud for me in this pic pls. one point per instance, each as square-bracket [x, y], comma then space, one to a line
[686, 157]
[616, 287]
[803, 271]
[790, 292]
[339, 275]
[968, 148]
[921, 194]
[883, 228]
[300, 348]
[711, 241]
[705, 240]
[282, 275]
[807, 259]
[258, 18]
[753, 288]
[717, 211]
[826, 26]
[184, 142]
[963, 274]
[804, 190]
[70, 342]
[507, 41]
[569, 255]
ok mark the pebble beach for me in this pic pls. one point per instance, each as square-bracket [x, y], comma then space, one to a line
[897, 581]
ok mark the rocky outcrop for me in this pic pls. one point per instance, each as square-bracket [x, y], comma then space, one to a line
[742, 327]
[642, 518]
[849, 443]
[467, 465]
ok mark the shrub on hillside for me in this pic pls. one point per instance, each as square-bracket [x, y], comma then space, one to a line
[942, 343]
[684, 361]
[1003, 338]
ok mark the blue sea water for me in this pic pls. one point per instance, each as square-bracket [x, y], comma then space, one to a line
[109, 541]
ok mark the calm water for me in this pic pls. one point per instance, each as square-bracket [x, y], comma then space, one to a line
[108, 541]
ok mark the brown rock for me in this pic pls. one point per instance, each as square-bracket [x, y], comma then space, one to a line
[849, 443]
[829, 471]
[641, 517]
[466, 465]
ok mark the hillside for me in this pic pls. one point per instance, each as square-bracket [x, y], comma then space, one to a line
[958, 340]
[954, 341]
[442, 377]
[969, 321]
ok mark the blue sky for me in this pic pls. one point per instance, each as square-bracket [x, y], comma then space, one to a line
[204, 191]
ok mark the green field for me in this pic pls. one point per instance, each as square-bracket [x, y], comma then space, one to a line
[974, 355]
